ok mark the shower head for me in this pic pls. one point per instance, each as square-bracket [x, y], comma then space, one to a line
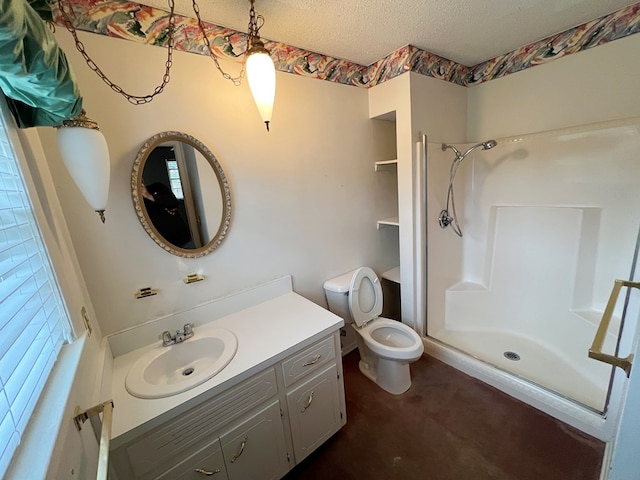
[489, 144]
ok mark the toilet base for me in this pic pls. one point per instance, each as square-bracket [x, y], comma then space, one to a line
[390, 375]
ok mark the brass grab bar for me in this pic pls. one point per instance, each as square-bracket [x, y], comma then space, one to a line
[595, 351]
[80, 416]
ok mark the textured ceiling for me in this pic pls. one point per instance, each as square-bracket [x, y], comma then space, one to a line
[364, 31]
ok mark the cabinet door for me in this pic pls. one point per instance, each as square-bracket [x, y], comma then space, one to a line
[256, 449]
[314, 411]
[207, 463]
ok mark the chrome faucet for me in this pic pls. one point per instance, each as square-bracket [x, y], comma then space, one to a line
[179, 337]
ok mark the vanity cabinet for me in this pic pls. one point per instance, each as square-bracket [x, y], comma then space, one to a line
[208, 462]
[256, 430]
[256, 449]
[315, 411]
[314, 397]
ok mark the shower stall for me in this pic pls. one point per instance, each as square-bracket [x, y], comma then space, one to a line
[546, 223]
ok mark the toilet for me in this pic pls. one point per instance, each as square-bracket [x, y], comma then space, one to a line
[386, 346]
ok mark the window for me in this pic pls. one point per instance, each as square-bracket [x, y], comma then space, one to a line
[33, 319]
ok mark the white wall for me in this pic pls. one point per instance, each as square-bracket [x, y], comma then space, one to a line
[302, 194]
[593, 86]
[439, 109]
[418, 105]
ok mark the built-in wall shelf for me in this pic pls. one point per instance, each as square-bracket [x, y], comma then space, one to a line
[392, 275]
[389, 222]
[386, 165]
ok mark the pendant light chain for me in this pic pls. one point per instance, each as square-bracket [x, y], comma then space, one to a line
[236, 80]
[253, 29]
[134, 99]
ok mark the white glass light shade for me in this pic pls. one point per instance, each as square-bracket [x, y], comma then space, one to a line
[261, 74]
[86, 156]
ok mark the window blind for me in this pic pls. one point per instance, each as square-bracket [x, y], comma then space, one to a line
[33, 320]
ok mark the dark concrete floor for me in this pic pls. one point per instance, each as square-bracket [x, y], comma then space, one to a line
[447, 426]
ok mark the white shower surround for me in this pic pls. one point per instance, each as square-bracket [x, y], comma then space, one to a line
[568, 200]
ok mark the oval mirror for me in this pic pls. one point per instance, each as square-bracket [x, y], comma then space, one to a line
[181, 194]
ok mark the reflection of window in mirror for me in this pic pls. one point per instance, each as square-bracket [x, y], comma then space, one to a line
[169, 220]
[174, 178]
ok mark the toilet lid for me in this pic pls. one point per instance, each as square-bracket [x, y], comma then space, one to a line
[365, 296]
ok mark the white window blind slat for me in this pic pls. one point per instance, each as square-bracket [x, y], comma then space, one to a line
[10, 330]
[7, 243]
[4, 410]
[9, 440]
[12, 236]
[34, 380]
[16, 310]
[33, 320]
[15, 281]
[13, 216]
[38, 342]
[9, 362]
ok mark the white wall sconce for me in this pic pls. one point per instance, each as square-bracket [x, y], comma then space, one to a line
[86, 155]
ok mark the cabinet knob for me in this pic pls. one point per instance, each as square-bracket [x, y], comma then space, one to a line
[207, 472]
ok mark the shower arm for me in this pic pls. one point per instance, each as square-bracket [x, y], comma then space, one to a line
[445, 219]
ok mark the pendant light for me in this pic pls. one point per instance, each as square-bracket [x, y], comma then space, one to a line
[261, 73]
[86, 155]
[258, 65]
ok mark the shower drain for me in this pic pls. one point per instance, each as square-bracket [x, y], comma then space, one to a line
[512, 356]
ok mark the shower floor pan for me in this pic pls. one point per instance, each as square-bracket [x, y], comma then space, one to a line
[531, 361]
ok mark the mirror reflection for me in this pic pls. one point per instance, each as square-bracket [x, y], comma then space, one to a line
[181, 194]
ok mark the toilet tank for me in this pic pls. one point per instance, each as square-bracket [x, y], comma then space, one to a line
[337, 292]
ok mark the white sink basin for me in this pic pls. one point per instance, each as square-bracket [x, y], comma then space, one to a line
[166, 371]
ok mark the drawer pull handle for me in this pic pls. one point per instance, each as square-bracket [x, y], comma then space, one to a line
[206, 472]
[309, 400]
[312, 361]
[237, 455]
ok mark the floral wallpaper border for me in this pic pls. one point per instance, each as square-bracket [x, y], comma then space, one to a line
[143, 24]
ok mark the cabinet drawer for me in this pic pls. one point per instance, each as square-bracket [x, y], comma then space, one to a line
[308, 361]
[315, 411]
[208, 463]
[256, 449]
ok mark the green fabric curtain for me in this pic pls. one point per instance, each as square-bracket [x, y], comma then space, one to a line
[34, 74]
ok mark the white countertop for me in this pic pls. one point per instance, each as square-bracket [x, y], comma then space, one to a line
[266, 333]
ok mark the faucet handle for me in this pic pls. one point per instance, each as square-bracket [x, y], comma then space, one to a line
[188, 328]
[166, 337]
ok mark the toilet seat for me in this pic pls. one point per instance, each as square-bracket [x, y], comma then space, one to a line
[365, 296]
[403, 343]
[386, 346]
[385, 337]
